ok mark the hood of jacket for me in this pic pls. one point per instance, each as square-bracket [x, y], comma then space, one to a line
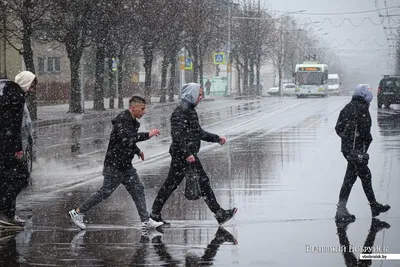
[361, 91]
[190, 92]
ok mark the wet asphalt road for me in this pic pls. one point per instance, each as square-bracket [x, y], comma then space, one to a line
[281, 167]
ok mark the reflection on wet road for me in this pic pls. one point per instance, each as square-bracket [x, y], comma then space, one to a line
[281, 167]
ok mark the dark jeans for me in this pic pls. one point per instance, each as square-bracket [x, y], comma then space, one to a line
[14, 177]
[354, 170]
[112, 179]
[179, 167]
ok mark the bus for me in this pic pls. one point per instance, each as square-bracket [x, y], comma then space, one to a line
[311, 79]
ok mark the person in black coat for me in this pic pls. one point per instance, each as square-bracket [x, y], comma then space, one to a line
[118, 167]
[12, 101]
[187, 135]
[354, 128]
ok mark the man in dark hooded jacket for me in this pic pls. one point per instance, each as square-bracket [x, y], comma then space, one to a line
[354, 129]
[118, 167]
[12, 101]
[187, 135]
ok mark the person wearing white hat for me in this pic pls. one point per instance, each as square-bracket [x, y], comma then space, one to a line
[12, 101]
[28, 82]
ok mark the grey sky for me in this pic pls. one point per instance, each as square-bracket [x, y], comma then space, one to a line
[371, 61]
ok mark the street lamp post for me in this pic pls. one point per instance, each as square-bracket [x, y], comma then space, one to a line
[282, 57]
[228, 64]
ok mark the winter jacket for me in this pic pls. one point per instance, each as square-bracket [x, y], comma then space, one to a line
[355, 114]
[122, 146]
[186, 131]
[12, 101]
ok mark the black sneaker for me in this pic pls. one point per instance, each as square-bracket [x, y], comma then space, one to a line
[377, 225]
[157, 218]
[377, 208]
[224, 236]
[343, 215]
[223, 216]
[343, 225]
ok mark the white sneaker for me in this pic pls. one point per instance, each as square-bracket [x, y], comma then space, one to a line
[77, 241]
[151, 233]
[151, 224]
[77, 218]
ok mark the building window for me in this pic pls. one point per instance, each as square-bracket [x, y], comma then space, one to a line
[53, 65]
[41, 65]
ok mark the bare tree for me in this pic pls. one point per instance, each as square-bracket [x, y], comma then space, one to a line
[151, 32]
[203, 30]
[170, 44]
[21, 20]
[71, 23]
[398, 53]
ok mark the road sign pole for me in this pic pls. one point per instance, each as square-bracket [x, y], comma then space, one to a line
[116, 81]
[228, 65]
[182, 78]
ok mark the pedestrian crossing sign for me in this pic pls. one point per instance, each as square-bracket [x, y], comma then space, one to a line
[114, 64]
[188, 63]
[219, 58]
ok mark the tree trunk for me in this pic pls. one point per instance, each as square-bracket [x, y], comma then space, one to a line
[195, 60]
[164, 70]
[28, 57]
[148, 49]
[172, 61]
[201, 69]
[251, 82]
[98, 94]
[111, 84]
[239, 90]
[258, 76]
[280, 81]
[75, 105]
[246, 76]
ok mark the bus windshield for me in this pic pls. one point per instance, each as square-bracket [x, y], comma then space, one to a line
[332, 81]
[310, 78]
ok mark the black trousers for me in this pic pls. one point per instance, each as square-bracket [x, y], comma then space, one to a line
[349, 256]
[179, 167]
[354, 170]
[14, 177]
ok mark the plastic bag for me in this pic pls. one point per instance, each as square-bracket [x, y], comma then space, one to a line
[192, 187]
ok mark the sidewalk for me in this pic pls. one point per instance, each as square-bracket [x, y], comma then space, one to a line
[57, 114]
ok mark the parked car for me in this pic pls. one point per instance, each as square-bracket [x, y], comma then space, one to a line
[388, 91]
[289, 89]
[273, 91]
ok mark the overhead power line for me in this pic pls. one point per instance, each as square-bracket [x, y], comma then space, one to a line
[340, 13]
[319, 24]
[358, 43]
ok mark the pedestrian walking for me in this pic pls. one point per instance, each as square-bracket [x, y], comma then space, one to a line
[187, 135]
[354, 128]
[118, 168]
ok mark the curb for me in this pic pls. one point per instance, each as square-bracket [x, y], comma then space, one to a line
[75, 117]
[246, 97]
[71, 117]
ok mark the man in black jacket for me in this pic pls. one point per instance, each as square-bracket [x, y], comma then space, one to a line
[118, 167]
[354, 129]
[12, 101]
[187, 135]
